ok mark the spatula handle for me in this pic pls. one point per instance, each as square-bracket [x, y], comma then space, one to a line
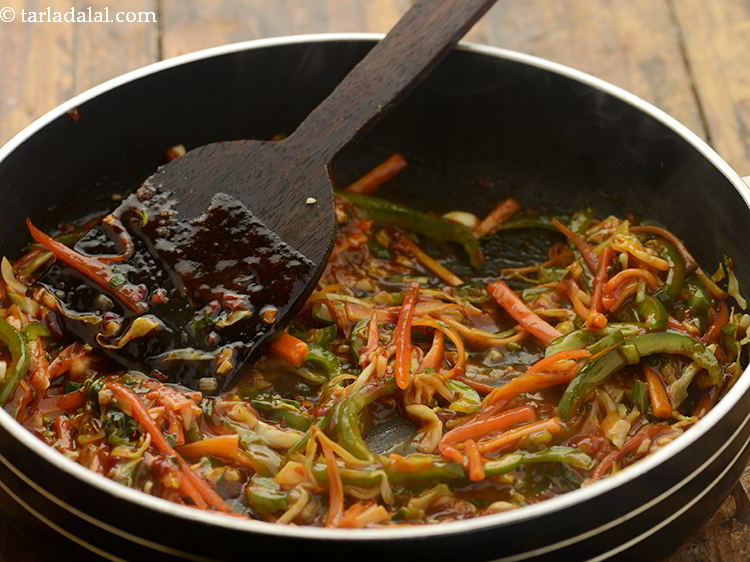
[423, 36]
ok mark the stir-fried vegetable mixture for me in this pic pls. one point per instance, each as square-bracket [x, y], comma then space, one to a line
[403, 393]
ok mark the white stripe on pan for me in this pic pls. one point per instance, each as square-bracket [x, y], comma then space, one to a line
[675, 515]
[631, 514]
[114, 530]
[60, 530]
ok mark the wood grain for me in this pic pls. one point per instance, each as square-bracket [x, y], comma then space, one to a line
[716, 36]
[37, 67]
[193, 24]
[103, 51]
[44, 64]
[686, 56]
[632, 44]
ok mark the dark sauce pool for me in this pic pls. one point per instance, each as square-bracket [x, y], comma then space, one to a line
[209, 289]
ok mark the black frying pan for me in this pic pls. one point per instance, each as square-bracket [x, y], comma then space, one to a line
[486, 125]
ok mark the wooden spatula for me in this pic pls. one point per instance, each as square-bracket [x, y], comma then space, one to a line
[219, 248]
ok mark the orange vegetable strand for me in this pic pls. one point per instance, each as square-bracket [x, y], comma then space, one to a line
[438, 269]
[501, 213]
[290, 349]
[588, 253]
[402, 337]
[206, 494]
[477, 429]
[336, 489]
[511, 437]
[92, 269]
[521, 313]
[714, 332]
[476, 467]
[661, 405]
[224, 446]
[372, 180]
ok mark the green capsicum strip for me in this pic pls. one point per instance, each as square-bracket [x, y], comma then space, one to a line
[378, 250]
[580, 339]
[265, 495]
[277, 409]
[534, 221]
[36, 330]
[20, 359]
[437, 228]
[595, 373]
[320, 313]
[322, 337]
[614, 338]
[557, 453]
[440, 470]
[699, 300]
[322, 423]
[676, 275]
[640, 396]
[653, 314]
[323, 359]
[347, 417]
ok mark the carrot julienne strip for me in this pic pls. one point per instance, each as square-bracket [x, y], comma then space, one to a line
[476, 467]
[511, 437]
[372, 180]
[290, 349]
[661, 405]
[501, 213]
[614, 300]
[594, 320]
[521, 313]
[478, 386]
[336, 493]
[714, 332]
[402, 337]
[223, 446]
[460, 365]
[588, 253]
[200, 492]
[437, 268]
[477, 429]
[528, 382]
[557, 357]
[92, 269]
[601, 278]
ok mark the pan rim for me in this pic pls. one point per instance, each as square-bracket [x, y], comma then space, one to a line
[545, 508]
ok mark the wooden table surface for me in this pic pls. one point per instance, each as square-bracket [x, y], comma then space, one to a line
[688, 57]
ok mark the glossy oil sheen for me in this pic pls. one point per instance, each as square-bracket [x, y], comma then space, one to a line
[214, 284]
[487, 124]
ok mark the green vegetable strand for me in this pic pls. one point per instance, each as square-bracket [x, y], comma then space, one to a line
[20, 359]
[595, 373]
[437, 228]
